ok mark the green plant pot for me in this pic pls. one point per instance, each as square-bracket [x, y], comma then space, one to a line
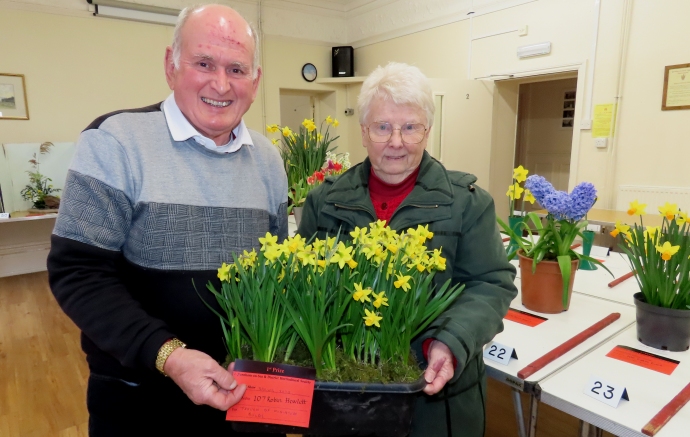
[587, 240]
[514, 223]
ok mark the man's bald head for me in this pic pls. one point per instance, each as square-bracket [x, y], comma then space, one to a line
[215, 9]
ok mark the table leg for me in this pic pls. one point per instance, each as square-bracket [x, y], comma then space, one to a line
[589, 430]
[533, 410]
[517, 404]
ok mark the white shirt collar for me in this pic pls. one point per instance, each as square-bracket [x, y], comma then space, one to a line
[182, 130]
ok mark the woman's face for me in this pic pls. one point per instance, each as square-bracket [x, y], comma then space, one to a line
[394, 159]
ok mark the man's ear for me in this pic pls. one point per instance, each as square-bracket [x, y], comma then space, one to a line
[169, 68]
[255, 82]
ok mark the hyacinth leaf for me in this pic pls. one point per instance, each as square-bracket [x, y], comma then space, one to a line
[564, 264]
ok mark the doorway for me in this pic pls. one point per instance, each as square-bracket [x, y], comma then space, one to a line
[534, 124]
[296, 105]
[544, 132]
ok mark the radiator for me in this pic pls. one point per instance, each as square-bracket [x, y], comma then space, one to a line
[653, 197]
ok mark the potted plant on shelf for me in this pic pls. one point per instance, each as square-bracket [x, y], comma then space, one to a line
[515, 192]
[659, 258]
[303, 153]
[348, 308]
[40, 191]
[548, 263]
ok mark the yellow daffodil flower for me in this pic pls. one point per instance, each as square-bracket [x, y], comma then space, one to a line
[651, 231]
[358, 234]
[352, 264]
[335, 123]
[224, 272]
[271, 128]
[620, 228]
[268, 241]
[309, 124]
[342, 255]
[329, 120]
[437, 260]
[380, 299]
[681, 218]
[248, 259]
[636, 208]
[361, 294]
[520, 174]
[307, 256]
[371, 318]
[402, 282]
[529, 197]
[669, 210]
[667, 251]
[514, 191]
[275, 141]
[287, 132]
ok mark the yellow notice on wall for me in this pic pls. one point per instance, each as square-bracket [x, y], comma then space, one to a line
[604, 117]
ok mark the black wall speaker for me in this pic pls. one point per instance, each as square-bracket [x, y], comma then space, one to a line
[343, 61]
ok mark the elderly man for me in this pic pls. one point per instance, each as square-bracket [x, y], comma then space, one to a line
[156, 198]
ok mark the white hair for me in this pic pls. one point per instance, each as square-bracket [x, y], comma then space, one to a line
[403, 84]
[182, 20]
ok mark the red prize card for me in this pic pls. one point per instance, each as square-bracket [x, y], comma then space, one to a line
[643, 359]
[276, 393]
[524, 318]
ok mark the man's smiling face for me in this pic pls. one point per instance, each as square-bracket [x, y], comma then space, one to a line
[213, 83]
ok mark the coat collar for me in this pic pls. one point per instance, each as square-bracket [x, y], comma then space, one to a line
[433, 186]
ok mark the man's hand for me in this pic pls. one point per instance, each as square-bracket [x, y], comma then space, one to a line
[202, 379]
[440, 369]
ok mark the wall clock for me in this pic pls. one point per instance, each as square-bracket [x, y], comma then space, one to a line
[309, 72]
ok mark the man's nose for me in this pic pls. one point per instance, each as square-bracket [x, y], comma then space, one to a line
[220, 82]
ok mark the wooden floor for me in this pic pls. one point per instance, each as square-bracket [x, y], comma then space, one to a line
[43, 373]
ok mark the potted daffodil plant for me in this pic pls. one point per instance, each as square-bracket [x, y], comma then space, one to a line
[659, 257]
[348, 306]
[516, 192]
[548, 263]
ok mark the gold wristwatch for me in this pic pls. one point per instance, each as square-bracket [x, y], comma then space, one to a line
[165, 351]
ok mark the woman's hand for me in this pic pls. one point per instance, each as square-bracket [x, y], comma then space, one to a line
[203, 380]
[440, 369]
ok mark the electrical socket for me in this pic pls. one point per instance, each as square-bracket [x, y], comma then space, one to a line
[600, 143]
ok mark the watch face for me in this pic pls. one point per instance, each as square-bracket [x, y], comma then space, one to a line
[309, 72]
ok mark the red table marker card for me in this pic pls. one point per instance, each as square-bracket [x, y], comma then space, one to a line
[643, 359]
[276, 393]
[524, 317]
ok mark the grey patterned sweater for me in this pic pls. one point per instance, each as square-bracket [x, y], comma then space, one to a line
[144, 223]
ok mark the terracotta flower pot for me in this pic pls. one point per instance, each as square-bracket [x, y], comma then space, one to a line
[662, 328]
[542, 291]
[297, 210]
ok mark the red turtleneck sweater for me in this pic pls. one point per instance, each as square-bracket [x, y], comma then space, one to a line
[387, 197]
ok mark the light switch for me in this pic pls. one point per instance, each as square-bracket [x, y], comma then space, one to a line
[600, 143]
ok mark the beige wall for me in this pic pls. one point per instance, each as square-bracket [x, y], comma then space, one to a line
[650, 145]
[78, 68]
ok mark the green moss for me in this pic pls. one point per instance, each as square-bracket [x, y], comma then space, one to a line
[349, 370]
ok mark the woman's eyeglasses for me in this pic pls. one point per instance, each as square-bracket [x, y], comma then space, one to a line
[411, 133]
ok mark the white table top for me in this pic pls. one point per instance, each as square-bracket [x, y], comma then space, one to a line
[531, 343]
[292, 225]
[649, 391]
[595, 282]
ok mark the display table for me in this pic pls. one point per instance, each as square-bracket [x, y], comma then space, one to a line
[595, 282]
[25, 242]
[649, 391]
[531, 343]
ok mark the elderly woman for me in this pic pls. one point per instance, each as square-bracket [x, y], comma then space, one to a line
[400, 183]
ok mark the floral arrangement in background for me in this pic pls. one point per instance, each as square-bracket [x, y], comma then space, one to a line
[562, 224]
[335, 165]
[515, 191]
[659, 255]
[40, 191]
[368, 296]
[303, 152]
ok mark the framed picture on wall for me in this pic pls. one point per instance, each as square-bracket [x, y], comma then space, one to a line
[676, 87]
[13, 103]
